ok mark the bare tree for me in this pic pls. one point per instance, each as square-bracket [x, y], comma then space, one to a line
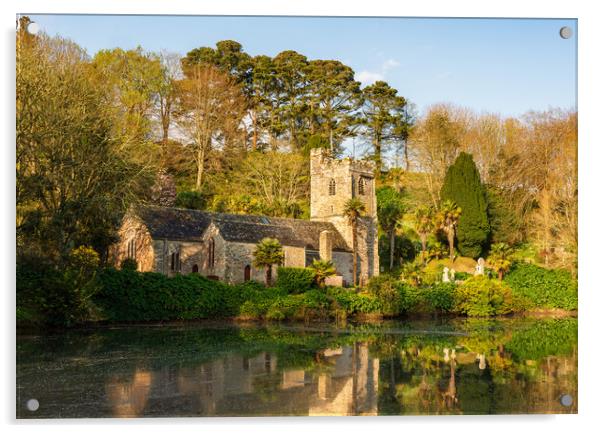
[211, 107]
[166, 96]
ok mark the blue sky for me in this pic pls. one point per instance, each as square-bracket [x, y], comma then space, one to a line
[505, 66]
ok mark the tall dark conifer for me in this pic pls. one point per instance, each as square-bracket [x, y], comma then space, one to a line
[463, 186]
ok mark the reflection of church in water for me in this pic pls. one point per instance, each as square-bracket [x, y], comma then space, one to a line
[343, 381]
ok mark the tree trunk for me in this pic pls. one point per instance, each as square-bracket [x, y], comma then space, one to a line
[165, 132]
[354, 236]
[450, 240]
[200, 168]
[254, 132]
[377, 155]
[268, 276]
[391, 248]
[423, 242]
[500, 275]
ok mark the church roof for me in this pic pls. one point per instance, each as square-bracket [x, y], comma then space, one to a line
[189, 225]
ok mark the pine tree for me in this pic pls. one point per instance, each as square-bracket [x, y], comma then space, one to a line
[463, 186]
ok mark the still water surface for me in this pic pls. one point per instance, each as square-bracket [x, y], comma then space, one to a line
[468, 366]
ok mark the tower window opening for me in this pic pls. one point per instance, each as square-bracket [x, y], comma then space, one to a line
[332, 187]
[361, 186]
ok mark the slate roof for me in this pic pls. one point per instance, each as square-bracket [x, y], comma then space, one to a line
[189, 225]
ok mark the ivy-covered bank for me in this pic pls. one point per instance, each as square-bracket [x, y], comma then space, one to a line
[49, 296]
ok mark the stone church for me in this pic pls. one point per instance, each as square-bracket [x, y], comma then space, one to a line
[220, 246]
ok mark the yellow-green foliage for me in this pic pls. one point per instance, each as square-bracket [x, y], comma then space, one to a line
[481, 296]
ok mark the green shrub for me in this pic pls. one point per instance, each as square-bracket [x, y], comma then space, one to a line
[544, 288]
[461, 276]
[139, 296]
[39, 294]
[439, 297]
[48, 294]
[481, 296]
[295, 280]
[129, 264]
[287, 307]
[394, 296]
[351, 303]
[387, 290]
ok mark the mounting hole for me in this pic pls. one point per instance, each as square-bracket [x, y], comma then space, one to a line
[33, 28]
[566, 400]
[566, 32]
[32, 405]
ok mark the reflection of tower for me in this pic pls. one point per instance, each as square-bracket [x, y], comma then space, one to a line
[351, 387]
[366, 382]
[333, 183]
[129, 399]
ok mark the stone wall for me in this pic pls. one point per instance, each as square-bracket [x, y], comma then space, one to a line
[219, 266]
[343, 263]
[190, 254]
[239, 255]
[133, 229]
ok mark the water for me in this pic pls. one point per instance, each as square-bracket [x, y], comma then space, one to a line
[393, 368]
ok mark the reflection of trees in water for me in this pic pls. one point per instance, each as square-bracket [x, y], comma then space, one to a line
[484, 376]
[488, 367]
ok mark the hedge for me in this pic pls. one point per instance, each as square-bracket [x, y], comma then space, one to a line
[543, 288]
[295, 280]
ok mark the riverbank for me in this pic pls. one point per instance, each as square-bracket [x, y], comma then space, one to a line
[55, 298]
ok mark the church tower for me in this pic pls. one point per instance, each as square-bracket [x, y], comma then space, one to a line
[333, 183]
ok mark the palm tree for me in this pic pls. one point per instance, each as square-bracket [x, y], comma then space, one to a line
[500, 258]
[424, 224]
[267, 254]
[448, 218]
[323, 269]
[390, 209]
[354, 208]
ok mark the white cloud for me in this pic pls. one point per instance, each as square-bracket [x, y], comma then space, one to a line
[369, 77]
[389, 64]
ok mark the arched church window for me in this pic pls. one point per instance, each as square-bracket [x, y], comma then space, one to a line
[132, 249]
[332, 187]
[176, 263]
[247, 272]
[211, 252]
[361, 186]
